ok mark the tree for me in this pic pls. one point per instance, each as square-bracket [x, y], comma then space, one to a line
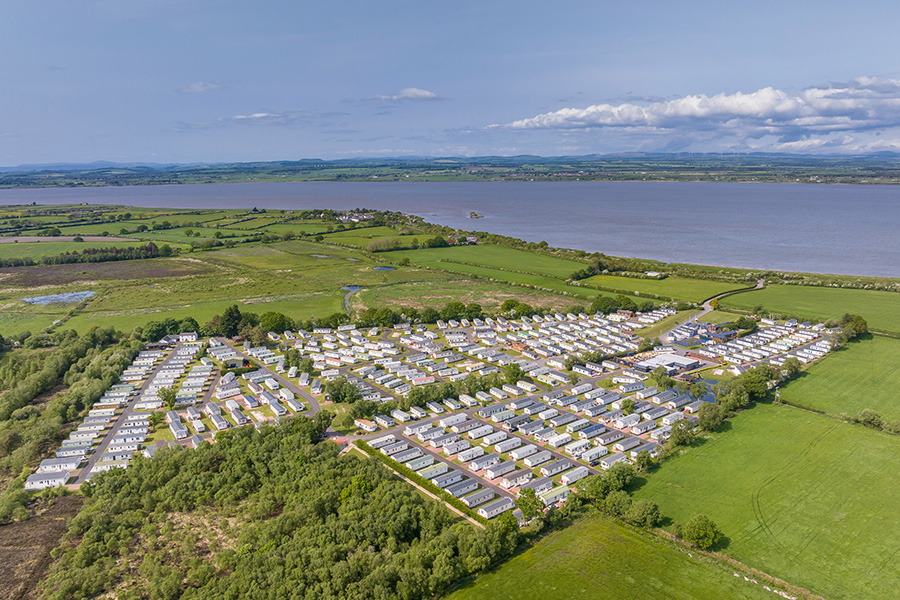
[530, 505]
[682, 434]
[167, 395]
[620, 476]
[869, 418]
[643, 460]
[644, 513]
[341, 390]
[514, 373]
[628, 406]
[276, 321]
[790, 368]
[698, 389]
[573, 378]
[231, 321]
[710, 417]
[617, 503]
[701, 532]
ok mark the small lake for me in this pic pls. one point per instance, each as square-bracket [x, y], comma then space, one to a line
[68, 298]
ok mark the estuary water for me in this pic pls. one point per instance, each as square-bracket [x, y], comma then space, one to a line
[846, 229]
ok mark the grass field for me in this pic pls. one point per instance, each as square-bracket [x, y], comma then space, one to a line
[803, 497]
[499, 257]
[720, 316]
[36, 250]
[667, 323]
[863, 374]
[436, 294]
[880, 309]
[680, 288]
[597, 558]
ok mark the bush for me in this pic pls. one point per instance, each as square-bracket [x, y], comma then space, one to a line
[701, 532]
[644, 513]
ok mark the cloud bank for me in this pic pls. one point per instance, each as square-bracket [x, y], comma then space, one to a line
[817, 117]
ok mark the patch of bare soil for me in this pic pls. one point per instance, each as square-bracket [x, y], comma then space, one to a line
[25, 547]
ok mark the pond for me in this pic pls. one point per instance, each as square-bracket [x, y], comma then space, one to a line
[383, 269]
[68, 298]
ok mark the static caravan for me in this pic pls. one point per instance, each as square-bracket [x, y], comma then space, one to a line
[574, 475]
[516, 478]
[559, 440]
[447, 479]
[552, 496]
[539, 485]
[556, 467]
[523, 451]
[466, 485]
[592, 455]
[495, 471]
[489, 511]
[470, 454]
[478, 498]
[421, 462]
[608, 461]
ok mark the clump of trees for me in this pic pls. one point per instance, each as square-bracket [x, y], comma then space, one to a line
[606, 492]
[302, 522]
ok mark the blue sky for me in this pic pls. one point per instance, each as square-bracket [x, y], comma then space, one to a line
[197, 81]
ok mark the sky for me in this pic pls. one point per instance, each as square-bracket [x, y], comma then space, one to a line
[193, 81]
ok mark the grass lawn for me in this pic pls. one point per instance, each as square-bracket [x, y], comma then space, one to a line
[597, 558]
[680, 288]
[720, 316]
[495, 256]
[803, 497]
[880, 309]
[863, 374]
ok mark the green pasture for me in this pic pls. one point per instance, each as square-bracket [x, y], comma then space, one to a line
[680, 288]
[499, 257]
[36, 250]
[437, 293]
[880, 309]
[598, 558]
[804, 497]
[720, 316]
[863, 374]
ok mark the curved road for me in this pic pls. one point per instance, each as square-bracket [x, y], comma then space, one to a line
[708, 307]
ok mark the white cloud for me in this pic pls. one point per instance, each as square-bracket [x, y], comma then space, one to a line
[275, 118]
[409, 93]
[201, 86]
[814, 118]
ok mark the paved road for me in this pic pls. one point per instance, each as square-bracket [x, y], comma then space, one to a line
[707, 308]
[119, 420]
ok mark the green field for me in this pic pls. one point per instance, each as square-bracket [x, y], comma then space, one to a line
[36, 250]
[880, 309]
[597, 558]
[863, 374]
[806, 498]
[720, 316]
[499, 257]
[680, 288]
[667, 323]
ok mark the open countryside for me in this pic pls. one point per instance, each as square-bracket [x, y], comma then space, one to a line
[801, 496]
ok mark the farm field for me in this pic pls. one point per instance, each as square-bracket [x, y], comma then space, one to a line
[499, 257]
[804, 497]
[36, 250]
[863, 374]
[880, 309]
[362, 237]
[436, 294]
[597, 558]
[680, 288]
